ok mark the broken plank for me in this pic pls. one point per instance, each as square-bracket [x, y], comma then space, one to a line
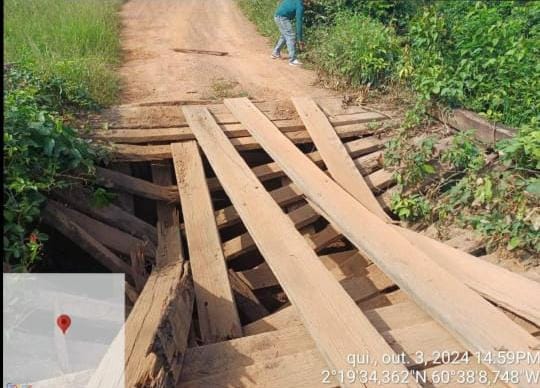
[337, 159]
[122, 182]
[216, 309]
[168, 220]
[80, 199]
[157, 328]
[333, 320]
[55, 216]
[462, 311]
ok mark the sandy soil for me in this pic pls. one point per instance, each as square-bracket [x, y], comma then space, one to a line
[152, 71]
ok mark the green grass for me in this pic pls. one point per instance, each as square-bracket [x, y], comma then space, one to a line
[77, 40]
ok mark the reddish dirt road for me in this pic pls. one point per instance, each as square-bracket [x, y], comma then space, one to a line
[152, 71]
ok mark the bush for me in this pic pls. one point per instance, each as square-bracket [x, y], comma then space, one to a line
[39, 153]
[76, 40]
[357, 49]
[478, 55]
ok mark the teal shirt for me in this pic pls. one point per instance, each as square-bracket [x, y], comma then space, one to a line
[292, 9]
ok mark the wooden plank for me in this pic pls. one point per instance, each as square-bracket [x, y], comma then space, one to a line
[216, 309]
[79, 198]
[168, 220]
[197, 51]
[157, 328]
[249, 305]
[133, 152]
[55, 216]
[122, 182]
[518, 295]
[355, 148]
[335, 323]
[112, 238]
[337, 159]
[462, 311]
[409, 330]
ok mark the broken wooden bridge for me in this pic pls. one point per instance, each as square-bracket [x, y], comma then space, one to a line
[274, 261]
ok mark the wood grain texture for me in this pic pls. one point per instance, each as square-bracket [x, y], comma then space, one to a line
[518, 295]
[478, 325]
[331, 317]
[170, 248]
[216, 308]
[333, 152]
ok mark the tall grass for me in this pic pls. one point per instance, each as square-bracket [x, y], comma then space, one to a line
[74, 39]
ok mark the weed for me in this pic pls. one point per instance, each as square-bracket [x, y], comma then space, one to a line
[74, 40]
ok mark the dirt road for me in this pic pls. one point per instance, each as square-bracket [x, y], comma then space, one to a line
[152, 71]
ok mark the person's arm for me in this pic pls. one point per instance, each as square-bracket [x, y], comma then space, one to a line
[299, 19]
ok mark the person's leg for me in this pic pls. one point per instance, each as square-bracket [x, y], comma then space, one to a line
[281, 41]
[278, 46]
[288, 34]
[290, 38]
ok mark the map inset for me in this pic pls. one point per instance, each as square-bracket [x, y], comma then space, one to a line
[58, 327]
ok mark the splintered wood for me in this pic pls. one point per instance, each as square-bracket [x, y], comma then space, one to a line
[274, 261]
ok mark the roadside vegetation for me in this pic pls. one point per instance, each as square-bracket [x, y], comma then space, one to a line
[478, 55]
[60, 59]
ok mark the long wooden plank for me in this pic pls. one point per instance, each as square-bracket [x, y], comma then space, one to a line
[339, 163]
[518, 295]
[335, 323]
[216, 309]
[168, 220]
[112, 238]
[55, 216]
[133, 152]
[465, 313]
[176, 134]
[80, 199]
[119, 181]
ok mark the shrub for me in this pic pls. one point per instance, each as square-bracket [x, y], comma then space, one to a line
[479, 55]
[39, 154]
[355, 48]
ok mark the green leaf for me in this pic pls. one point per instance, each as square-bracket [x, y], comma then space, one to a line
[534, 187]
[513, 243]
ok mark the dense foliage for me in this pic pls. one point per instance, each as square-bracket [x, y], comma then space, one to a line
[76, 40]
[480, 55]
[39, 153]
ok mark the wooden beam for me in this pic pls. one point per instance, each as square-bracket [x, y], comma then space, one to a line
[122, 182]
[337, 159]
[510, 290]
[157, 328]
[469, 317]
[332, 318]
[112, 238]
[80, 199]
[519, 295]
[133, 152]
[216, 309]
[168, 220]
[55, 216]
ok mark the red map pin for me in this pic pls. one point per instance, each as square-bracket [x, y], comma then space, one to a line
[63, 322]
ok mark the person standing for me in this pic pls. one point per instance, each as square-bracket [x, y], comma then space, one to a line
[286, 12]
